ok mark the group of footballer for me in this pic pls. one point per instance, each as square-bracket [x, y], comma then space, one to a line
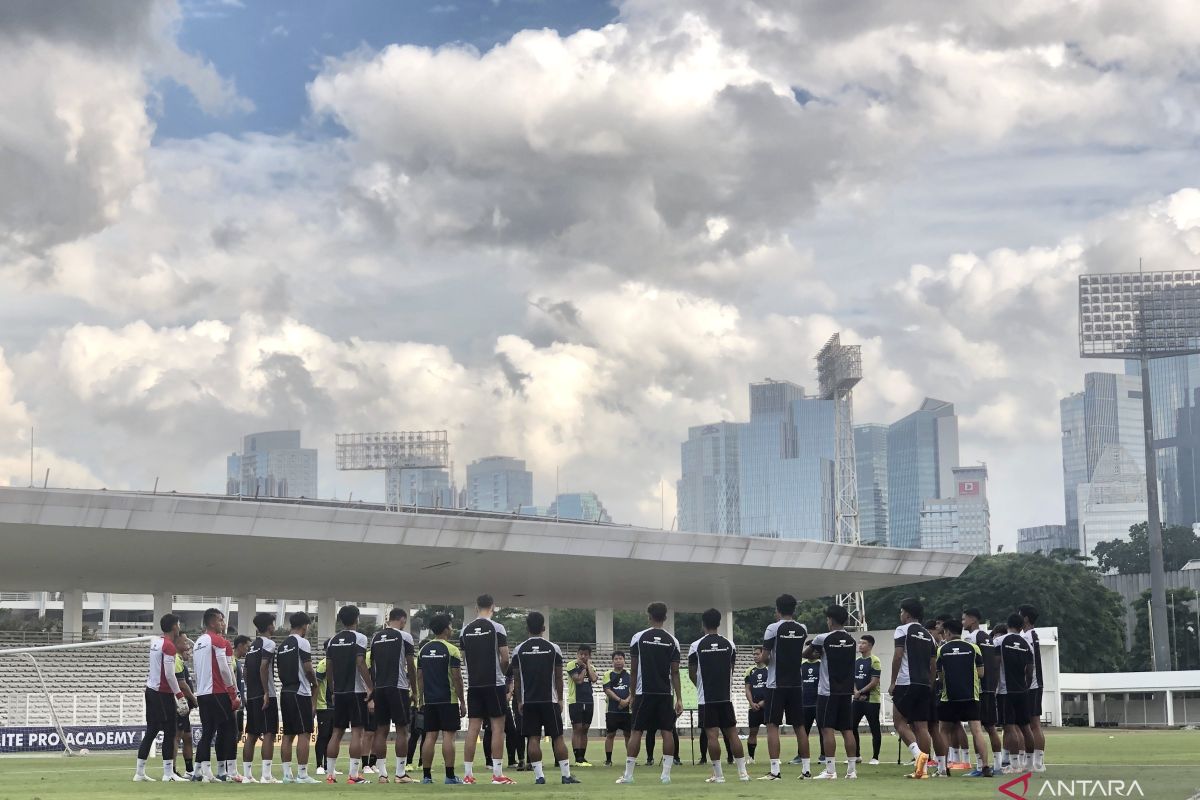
[945, 672]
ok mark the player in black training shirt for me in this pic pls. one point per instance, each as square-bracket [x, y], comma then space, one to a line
[911, 682]
[960, 666]
[484, 644]
[297, 680]
[1034, 738]
[262, 707]
[619, 716]
[538, 682]
[352, 690]
[971, 618]
[581, 676]
[783, 647]
[756, 700]
[710, 668]
[440, 685]
[394, 670]
[655, 676]
[1016, 675]
[837, 650]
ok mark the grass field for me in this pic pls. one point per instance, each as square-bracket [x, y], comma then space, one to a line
[1166, 765]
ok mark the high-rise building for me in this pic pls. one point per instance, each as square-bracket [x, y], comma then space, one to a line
[584, 506]
[922, 452]
[870, 456]
[961, 522]
[1112, 502]
[1107, 414]
[272, 464]
[498, 483]
[1187, 436]
[708, 496]
[1044, 539]
[1173, 389]
[428, 488]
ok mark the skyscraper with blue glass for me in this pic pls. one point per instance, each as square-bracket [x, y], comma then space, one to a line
[1174, 383]
[922, 452]
[870, 457]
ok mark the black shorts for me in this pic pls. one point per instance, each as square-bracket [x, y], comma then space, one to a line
[183, 723]
[833, 711]
[486, 702]
[654, 712]
[441, 717]
[959, 711]
[581, 713]
[1033, 703]
[718, 715]
[297, 710]
[622, 721]
[785, 702]
[808, 716]
[350, 711]
[215, 709]
[987, 708]
[391, 706]
[160, 708]
[539, 717]
[934, 703]
[1013, 709]
[913, 702]
[756, 718]
[261, 721]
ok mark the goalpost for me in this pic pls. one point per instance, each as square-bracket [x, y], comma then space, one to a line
[70, 698]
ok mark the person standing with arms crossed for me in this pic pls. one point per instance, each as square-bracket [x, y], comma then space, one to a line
[866, 700]
[580, 702]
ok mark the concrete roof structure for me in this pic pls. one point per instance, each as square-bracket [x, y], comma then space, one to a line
[53, 539]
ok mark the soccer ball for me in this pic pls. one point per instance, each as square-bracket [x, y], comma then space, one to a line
[83, 751]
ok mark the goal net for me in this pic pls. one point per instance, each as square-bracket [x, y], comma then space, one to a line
[73, 698]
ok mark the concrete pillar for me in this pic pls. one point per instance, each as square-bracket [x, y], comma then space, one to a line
[43, 600]
[72, 628]
[326, 618]
[1091, 710]
[727, 624]
[669, 625]
[604, 628]
[545, 613]
[468, 615]
[1170, 708]
[281, 615]
[247, 607]
[164, 602]
[106, 614]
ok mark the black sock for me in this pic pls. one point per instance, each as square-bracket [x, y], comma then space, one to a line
[583, 751]
[449, 772]
[188, 763]
[428, 773]
[752, 748]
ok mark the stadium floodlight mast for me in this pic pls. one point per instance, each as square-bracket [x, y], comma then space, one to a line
[839, 369]
[1143, 316]
[392, 451]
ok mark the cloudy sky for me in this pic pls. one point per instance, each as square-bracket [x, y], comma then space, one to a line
[568, 229]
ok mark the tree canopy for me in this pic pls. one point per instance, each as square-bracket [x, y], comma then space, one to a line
[1180, 545]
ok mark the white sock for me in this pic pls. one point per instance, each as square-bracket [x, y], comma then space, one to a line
[401, 763]
[538, 772]
[831, 766]
[205, 768]
[330, 765]
[668, 762]
[741, 765]
[564, 767]
[168, 768]
[852, 766]
[1003, 757]
[774, 766]
[141, 766]
[1022, 759]
[355, 766]
[468, 769]
[941, 764]
[302, 771]
[914, 748]
[497, 767]
[1039, 758]
[718, 769]
[266, 770]
[287, 769]
[248, 768]
[805, 764]
[997, 760]
[381, 765]
[630, 763]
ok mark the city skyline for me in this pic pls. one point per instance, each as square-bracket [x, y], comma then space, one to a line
[478, 217]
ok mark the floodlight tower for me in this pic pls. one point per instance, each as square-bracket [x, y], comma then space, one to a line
[839, 368]
[1143, 316]
[392, 451]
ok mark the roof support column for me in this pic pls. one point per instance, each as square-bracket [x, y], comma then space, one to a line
[247, 607]
[604, 628]
[326, 618]
[727, 624]
[669, 625]
[163, 604]
[545, 613]
[72, 627]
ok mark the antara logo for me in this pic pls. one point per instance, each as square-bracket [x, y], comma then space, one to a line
[1018, 788]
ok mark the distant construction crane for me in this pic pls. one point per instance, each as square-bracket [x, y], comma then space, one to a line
[839, 369]
[392, 452]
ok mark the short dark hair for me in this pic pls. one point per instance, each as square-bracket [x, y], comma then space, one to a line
[758, 647]
[620, 653]
[535, 621]
[837, 613]
[299, 619]
[584, 648]
[484, 601]
[868, 638]
[348, 615]
[711, 619]
[241, 640]
[397, 613]
[263, 620]
[1015, 622]
[973, 612]
[914, 608]
[785, 604]
[954, 626]
[1028, 612]
[657, 612]
[999, 630]
[943, 618]
[931, 624]
[168, 622]
[439, 623]
[211, 614]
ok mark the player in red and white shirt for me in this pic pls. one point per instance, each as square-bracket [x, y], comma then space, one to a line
[216, 693]
[164, 700]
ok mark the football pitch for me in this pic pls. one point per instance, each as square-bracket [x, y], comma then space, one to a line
[1165, 764]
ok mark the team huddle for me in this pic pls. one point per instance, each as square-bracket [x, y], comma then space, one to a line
[944, 673]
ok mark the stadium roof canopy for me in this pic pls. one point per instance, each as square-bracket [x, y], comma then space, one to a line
[102, 541]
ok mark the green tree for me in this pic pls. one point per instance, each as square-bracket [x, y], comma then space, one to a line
[1182, 628]
[1180, 545]
[1067, 595]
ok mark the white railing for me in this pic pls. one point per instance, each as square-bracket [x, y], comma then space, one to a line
[80, 709]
